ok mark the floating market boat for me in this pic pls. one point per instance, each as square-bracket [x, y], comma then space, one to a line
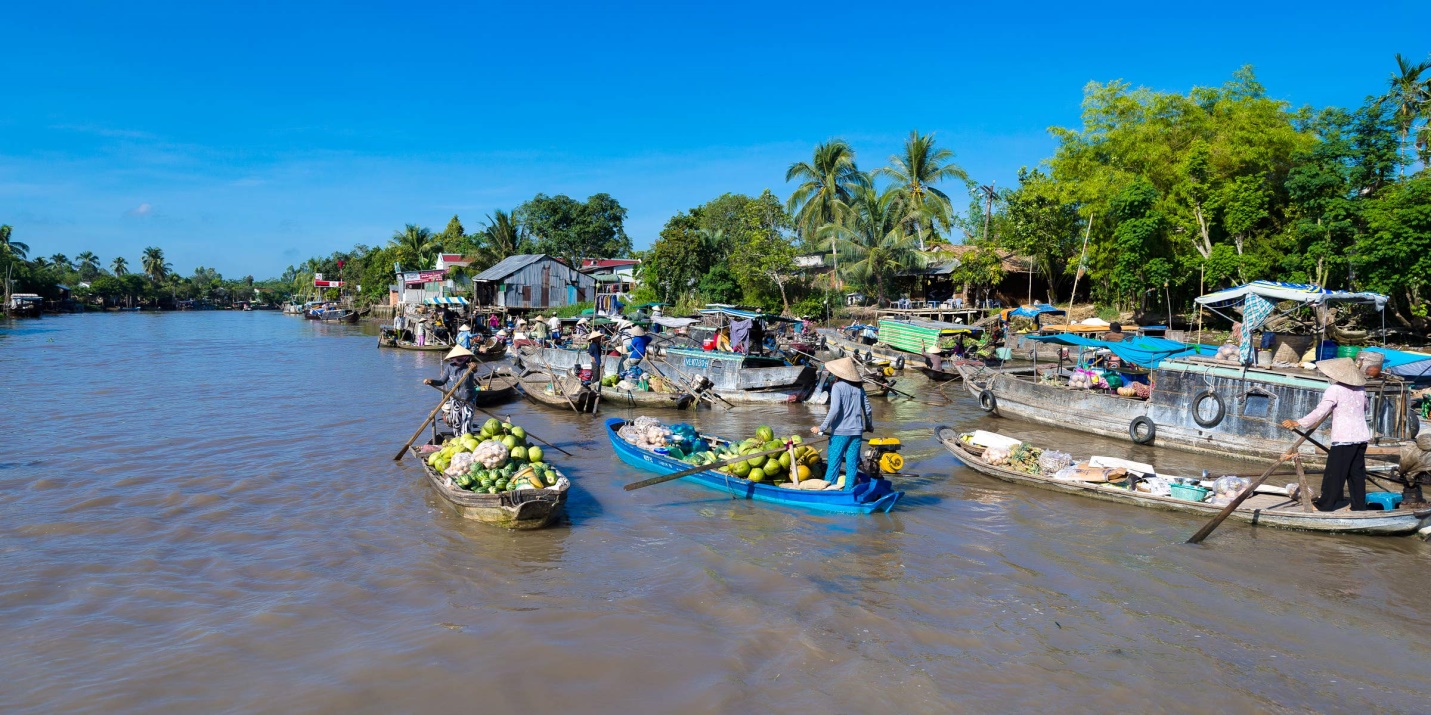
[1260, 509]
[495, 388]
[490, 351]
[738, 378]
[915, 335]
[562, 393]
[842, 346]
[388, 338]
[868, 497]
[521, 509]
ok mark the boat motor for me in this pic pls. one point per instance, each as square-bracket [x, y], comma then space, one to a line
[881, 457]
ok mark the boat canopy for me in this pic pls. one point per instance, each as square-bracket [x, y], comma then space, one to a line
[1306, 293]
[742, 313]
[675, 323]
[1139, 350]
[445, 300]
[1031, 311]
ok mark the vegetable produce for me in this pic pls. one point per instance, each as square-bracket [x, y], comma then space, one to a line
[494, 461]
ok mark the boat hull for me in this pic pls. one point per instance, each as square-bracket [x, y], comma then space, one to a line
[1371, 523]
[876, 496]
[518, 511]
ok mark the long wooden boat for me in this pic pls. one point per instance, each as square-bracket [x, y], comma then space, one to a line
[1196, 405]
[500, 388]
[1259, 509]
[868, 497]
[562, 393]
[940, 375]
[490, 351]
[647, 399]
[738, 378]
[387, 338]
[842, 346]
[522, 509]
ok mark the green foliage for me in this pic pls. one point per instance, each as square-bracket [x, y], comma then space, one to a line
[1037, 223]
[1394, 254]
[874, 243]
[827, 185]
[914, 174]
[573, 310]
[570, 230]
[718, 286]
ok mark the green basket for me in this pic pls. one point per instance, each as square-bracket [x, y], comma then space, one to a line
[1348, 351]
[1190, 493]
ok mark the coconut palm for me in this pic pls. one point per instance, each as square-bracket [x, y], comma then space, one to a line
[826, 185]
[415, 246]
[154, 265]
[87, 264]
[1409, 95]
[10, 248]
[875, 237]
[60, 260]
[119, 266]
[915, 172]
[503, 236]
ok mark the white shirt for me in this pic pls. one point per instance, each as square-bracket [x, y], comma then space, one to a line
[554, 324]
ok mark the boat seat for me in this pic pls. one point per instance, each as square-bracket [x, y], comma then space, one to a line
[1385, 501]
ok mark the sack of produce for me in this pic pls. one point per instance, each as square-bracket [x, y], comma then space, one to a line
[1225, 489]
[1052, 461]
[997, 456]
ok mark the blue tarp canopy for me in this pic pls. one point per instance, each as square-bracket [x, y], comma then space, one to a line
[1396, 358]
[1144, 351]
[446, 300]
[741, 313]
[1033, 311]
[1276, 292]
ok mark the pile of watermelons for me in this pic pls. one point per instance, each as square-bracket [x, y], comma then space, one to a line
[774, 468]
[496, 459]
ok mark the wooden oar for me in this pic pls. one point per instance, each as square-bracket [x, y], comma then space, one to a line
[1246, 493]
[715, 465]
[445, 397]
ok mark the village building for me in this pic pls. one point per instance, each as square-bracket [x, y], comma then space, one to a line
[531, 281]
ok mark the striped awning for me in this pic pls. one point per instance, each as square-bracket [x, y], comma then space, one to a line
[446, 300]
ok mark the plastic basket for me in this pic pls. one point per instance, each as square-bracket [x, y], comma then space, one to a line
[1190, 493]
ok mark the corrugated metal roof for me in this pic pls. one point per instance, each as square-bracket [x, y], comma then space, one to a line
[509, 265]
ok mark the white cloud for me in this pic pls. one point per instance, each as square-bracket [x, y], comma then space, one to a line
[144, 209]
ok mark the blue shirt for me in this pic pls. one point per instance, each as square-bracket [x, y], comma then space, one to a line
[638, 346]
[464, 339]
[849, 408]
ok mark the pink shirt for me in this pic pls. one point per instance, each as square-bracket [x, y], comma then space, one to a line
[1347, 406]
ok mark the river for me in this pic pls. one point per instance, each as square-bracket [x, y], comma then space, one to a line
[199, 513]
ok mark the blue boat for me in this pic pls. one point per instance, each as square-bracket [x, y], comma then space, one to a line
[868, 497]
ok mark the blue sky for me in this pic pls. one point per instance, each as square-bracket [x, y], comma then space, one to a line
[250, 136]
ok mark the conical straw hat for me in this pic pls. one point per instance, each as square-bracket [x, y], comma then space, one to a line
[844, 368]
[1343, 370]
[458, 352]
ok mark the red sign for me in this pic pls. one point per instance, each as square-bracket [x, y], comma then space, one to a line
[327, 284]
[420, 277]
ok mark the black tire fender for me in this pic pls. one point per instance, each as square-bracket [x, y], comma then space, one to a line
[899, 363]
[988, 403]
[1142, 430]
[1197, 415]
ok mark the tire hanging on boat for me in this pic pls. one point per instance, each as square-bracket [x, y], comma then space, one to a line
[1197, 409]
[1142, 430]
[988, 403]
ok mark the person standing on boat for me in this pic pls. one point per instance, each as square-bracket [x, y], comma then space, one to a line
[934, 358]
[539, 330]
[595, 353]
[1345, 401]
[464, 336]
[458, 410]
[554, 325]
[850, 416]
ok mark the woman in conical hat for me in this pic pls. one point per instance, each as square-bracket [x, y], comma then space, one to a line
[458, 410]
[850, 416]
[1345, 401]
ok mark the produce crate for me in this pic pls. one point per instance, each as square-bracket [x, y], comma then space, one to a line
[1190, 493]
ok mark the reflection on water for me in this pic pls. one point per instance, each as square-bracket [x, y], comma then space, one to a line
[199, 512]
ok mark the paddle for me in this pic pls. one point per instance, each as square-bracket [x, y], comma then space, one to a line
[1232, 505]
[717, 465]
[445, 396]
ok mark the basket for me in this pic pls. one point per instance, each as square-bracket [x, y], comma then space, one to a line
[1190, 493]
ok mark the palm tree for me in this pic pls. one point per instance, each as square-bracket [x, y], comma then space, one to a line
[502, 237]
[120, 267]
[60, 260]
[825, 183]
[87, 264]
[875, 237]
[1409, 94]
[826, 186]
[154, 265]
[416, 246]
[915, 172]
[11, 248]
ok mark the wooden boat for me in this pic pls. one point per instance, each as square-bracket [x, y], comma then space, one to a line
[738, 378]
[388, 338]
[842, 346]
[522, 509]
[868, 497]
[562, 393]
[1196, 405]
[490, 351]
[495, 389]
[647, 399]
[939, 375]
[1260, 509]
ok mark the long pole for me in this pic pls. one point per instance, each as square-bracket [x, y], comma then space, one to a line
[1232, 505]
[445, 397]
[1079, 271]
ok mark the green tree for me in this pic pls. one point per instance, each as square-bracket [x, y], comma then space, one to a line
[570, 230]
[915, 172]
[1409, 95]
[503, 236]
[1394, 254]
[875, 239]
[764, 255]
[979, 270]
[11, 249]
[827, 184]
[679, 258]
[414, 247]
[119, 266]
[87, 264]
[454, 237]
[1038, 224]
[154, 264]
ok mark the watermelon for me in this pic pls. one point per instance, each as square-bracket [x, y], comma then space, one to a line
[764, 434]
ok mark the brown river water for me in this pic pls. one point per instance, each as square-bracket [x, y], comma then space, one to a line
[199, 513]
